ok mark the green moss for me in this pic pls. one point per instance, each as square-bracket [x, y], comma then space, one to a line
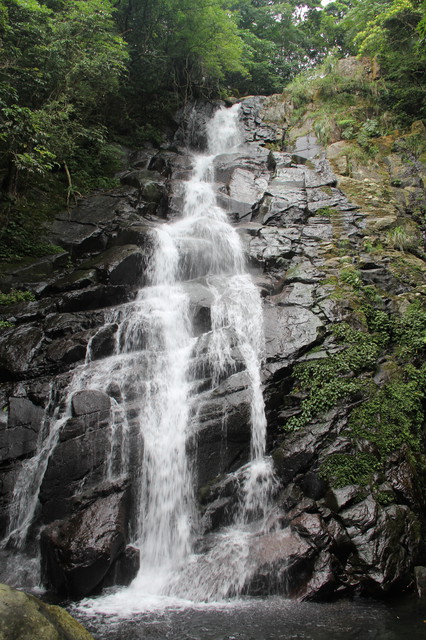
[391, 418]
[351, 276]
[384, 497]
[403, 239]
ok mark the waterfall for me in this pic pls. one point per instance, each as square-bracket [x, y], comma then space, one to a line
[150, 378]
[202, 244]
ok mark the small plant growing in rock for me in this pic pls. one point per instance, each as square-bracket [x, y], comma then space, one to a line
[351, 277]
[401, 239]
[16, 295]
[349, 128]
[325, 212]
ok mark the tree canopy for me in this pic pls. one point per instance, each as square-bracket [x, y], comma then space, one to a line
[76, 76]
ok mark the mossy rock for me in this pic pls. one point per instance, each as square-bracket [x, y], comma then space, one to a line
[25, 617]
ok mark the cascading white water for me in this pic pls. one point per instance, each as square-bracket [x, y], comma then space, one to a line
[149, 377]
[202, 244]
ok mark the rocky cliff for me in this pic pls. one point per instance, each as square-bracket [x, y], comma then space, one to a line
[336, 248]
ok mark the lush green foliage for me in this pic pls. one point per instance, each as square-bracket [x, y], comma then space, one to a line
[79, 76]
[16, 295]
[330, 379]
[387, 421]
[342, 469]
[388, 417]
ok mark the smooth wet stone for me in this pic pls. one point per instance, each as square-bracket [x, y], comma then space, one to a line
[151, 185]
[289, 330]
[96, 297]
[121, 265]
[306, 148]
[323, 582]
[295, 294]
[361, 516]
[103, 343]
[79, 459]
[78, 552]
[18, 346]
[19, 437]
[279, 560]
[420, 577]
[90, 401]
[68, 351]
[337, 499]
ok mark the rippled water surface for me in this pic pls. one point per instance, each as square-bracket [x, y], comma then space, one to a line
[270, 619]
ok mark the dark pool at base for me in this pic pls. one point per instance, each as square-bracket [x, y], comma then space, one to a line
[270, 619]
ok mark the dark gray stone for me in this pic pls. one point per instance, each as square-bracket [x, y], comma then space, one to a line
[68, 351]
[102, 344]
[79, 459]
[150, 184]
[281, 562]
[96, 297]
[19, 438]
[78, 552]
[121, 265]
[289, 330]
[420, 577]
[90, 401]
[18, 347]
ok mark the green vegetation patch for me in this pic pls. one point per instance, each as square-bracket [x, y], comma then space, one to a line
[16, 295]
[331, 379]
[388, 417]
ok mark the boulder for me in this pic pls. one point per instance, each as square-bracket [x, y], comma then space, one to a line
[18, 346]
[25, 617]
[102, 343]
[19, 438]
[192, 124]
[79, 279]
[281, 562]
[222, 439]
[150, 184]
[80, 456]
[121, 265]
[66, 351]
[289, 330]
[90, 401]
[77, 553]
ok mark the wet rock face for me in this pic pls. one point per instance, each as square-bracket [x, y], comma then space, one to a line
[289, 212]
[79, 553]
